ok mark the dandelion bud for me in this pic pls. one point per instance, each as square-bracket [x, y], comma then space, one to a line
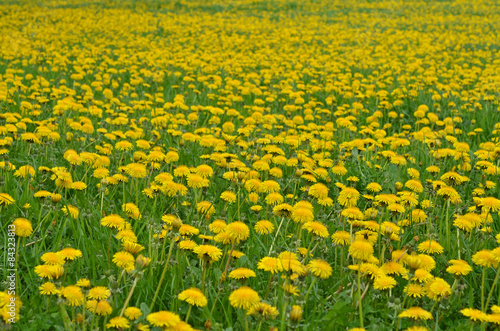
[142, 262]
[208, 325]
[176, 223]
[413, 261]
[296, 313]
[137, 157]
[104, 181]
[241, 175]
[273, 328]
[298, 172]
[56, 197]
[182, 143]
[79, 318]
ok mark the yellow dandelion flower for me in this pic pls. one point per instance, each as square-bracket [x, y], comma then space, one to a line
[416, 313]
[194, 297]
[244, 297]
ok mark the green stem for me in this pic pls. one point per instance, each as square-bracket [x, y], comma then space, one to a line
[137, 192]
[129, 296]
[482, 290]
[359, 296]
[310, 288]
[109, 248]
[65, 317]
[492, 288]
[268, 286]
[203, 276]
[228, 260]
[17, 271]
[276, 236]
[260, 325]
[163, 273]
[341, 261]
[283, 315]
[308, 250]
[448, 231]
[189, 312]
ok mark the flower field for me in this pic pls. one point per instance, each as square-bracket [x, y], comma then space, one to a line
[249, 165]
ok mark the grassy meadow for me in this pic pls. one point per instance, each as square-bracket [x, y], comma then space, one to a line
[249, 165]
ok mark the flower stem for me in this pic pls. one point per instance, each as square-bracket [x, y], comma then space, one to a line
[163, 273]
[228, 260]
[203, 276]
[492, 288]
[482, 290]
[129, 296]
[359, 296]
[309, 290]
[109, 248]
[189, 312]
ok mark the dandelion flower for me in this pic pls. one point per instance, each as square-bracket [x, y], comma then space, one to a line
[319, 191]
[438, 288]
[132, 313]
[348, 197]
[317, 229]
[361, 249]
[124, 260]
[264, 227]
[244, 297]
[113, 221]
[163, 319]
[197, 181]
[431, 247]
[415, 290]
[73, 294]
[228, 196]
[342, 238]
[5, 199]
[416, 313]
[283, 210]
[490, 204]
[384, 283]
[101, 308]
[208, 252]
[120, 323]
[242, 273]
[459, 267]
[296, 313]
[194, 297]
[474, 314]
[485, 258]
[70, 254]
[269, 264]
[302, 215]
[49, 271]
[205, 207]
[99, 293]
[52, 258]
[48, 288]
[22, 227]
[237, 231]
[320, 268]
[263, 309]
